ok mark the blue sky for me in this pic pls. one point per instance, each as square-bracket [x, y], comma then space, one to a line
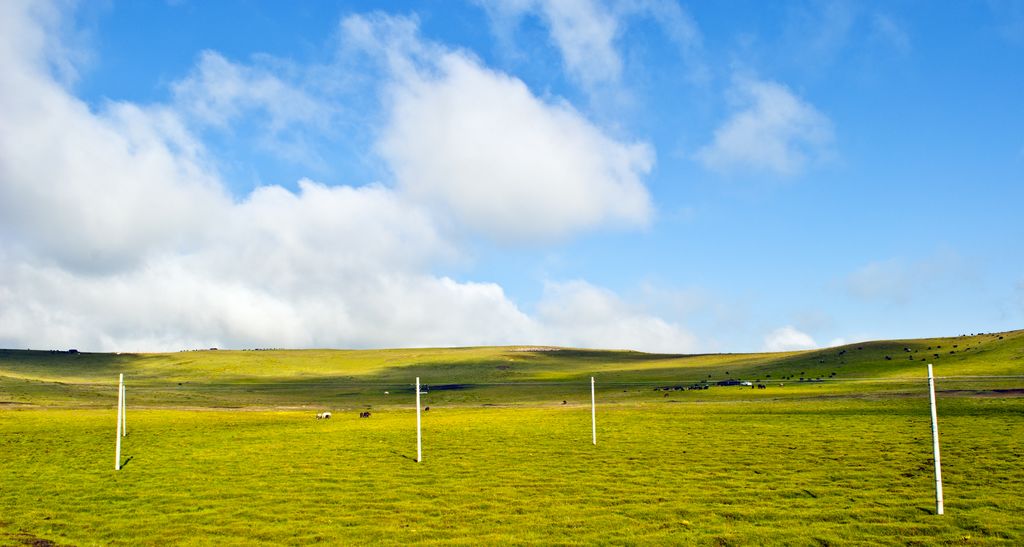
[663, 176]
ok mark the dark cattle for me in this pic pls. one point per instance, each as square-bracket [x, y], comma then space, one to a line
[887, 358]
[425, 409]
[762, 386]
[364, 414]
[565, 402]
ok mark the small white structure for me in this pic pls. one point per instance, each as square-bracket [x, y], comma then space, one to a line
[748, 384]
[593, 412]
[419, 435]
[935, 443]
[323, 416]
[120, 421]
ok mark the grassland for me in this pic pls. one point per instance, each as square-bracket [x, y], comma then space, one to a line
[223, 449]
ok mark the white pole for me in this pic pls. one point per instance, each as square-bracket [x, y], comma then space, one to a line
[120, 408]
[593, 411]
[124, 410]
[935, 443]
[419, 437]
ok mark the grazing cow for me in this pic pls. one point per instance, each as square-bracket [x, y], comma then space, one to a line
[364, 414]
[426, 409]
[565, 402]
[323, 416]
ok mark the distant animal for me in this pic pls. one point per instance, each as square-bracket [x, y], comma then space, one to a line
[323, 416]
[364, 414]
[426, 409]
[565, 402]
[762, 386]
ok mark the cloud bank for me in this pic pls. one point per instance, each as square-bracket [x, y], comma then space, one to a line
[118, 233]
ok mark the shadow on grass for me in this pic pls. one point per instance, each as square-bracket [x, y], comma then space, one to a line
[399, 454]
[125, 462]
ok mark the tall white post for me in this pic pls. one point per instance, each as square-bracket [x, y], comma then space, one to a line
[120, 409]
[935, 443]
[593, 411]
[419, 437]
[124, 411]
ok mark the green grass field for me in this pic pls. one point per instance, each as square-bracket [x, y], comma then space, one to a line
[223, 447]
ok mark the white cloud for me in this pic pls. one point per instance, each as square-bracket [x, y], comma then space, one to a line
[116, 234]
[836, 342]
[771, 130]
[218, 91]
[577, 313]
[504, 162]
[788, 338]
[92, 190]
[585, 32]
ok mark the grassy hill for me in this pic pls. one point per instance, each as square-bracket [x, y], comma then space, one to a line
[836, 450]
[351, 378]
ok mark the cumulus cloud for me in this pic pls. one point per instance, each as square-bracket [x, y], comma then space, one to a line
[576, 313]
[771, 130]
[117, 234]
[788, 338]
[91, 190]
[502, 161]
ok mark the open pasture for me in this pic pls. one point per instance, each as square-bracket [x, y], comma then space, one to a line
[241, 459]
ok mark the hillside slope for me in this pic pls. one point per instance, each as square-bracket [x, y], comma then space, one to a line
[498, 374]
